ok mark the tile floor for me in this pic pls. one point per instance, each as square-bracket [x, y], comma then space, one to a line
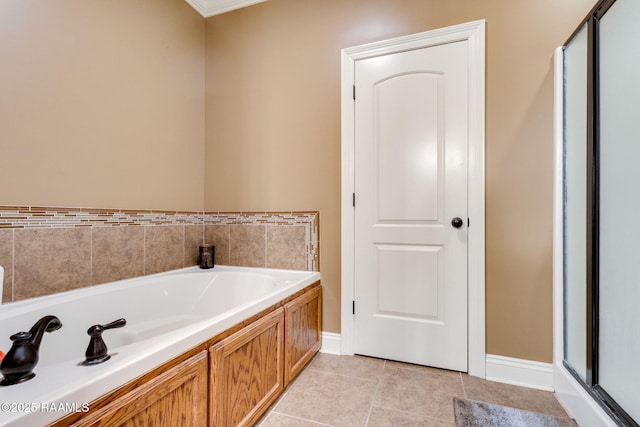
[362, 391]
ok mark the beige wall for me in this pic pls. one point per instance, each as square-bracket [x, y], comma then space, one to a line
[273, 132]
[102, 104]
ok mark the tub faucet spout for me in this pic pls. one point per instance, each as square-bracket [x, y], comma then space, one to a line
[18, 364]
[46, 324]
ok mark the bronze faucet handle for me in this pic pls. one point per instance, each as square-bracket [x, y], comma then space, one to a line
[96, 330]
[97, 351]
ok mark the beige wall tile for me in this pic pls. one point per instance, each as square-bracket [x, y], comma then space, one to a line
[247, 245]
[164, 248]
[193, 237]
[117, 253]
[120, 252]
[6, 261]
[51, 260]
[218, 235]
[286, 247]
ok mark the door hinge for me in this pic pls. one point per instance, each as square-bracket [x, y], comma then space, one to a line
[354, 92]
[353, 199]
[353, 306]
[468, 222]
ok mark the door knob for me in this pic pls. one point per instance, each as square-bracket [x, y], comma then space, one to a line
[457, 222]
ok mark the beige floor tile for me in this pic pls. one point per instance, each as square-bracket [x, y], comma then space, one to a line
[358, 391]
[418, 392]
[511, 395]
[272, 407]
[279, 420]
[367, 368]
[384, 417]
[428, 369]
[328, 398]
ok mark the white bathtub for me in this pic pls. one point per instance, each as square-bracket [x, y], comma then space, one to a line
[166, 315]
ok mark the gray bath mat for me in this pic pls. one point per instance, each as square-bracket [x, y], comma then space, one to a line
[470, 413]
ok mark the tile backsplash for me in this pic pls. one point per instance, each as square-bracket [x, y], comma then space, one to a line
[45, 250]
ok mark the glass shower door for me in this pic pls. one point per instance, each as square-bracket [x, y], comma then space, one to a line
[619, 204]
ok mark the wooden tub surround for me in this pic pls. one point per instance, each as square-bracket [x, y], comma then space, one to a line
[229, 380]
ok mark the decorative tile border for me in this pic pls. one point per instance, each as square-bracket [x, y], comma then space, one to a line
[27, 217]
[55, 217]
[260, 218]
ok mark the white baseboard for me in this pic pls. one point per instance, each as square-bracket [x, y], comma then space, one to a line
[526, 373]
[331, 343]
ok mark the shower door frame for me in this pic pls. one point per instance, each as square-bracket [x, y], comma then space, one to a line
[586, 400]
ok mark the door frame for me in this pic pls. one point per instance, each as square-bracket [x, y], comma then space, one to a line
[474, 33]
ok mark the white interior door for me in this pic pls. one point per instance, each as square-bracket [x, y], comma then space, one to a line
[410, 261]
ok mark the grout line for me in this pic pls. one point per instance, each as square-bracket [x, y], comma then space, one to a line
[91, 277]
[229, 245]
[411, 413]
[341, 375]
[375, 394]
[302, 419]
[366, 423]
[13, 265]
[184, 246]
[417, 369]
[279, 400]
[144, 250]
[464, 390]
[265, 246]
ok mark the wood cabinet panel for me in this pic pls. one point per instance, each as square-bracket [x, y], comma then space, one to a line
[177, 397]
[229, 380]
[303, 325]
[246, 372]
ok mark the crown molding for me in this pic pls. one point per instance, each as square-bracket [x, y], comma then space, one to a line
[209, 8]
